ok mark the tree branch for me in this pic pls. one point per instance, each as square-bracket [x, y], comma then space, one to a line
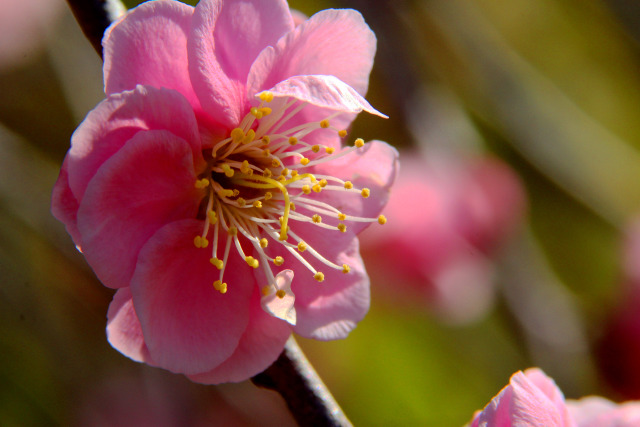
[307, 397]
[94, 16]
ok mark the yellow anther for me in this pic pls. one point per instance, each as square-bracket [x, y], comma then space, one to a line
[265, 111]
[323, 183]
[324, 124]
[220, 287]
[255, 112]
[245, 168]
[292, 206]
[267, 173]
[263, 242]
[281, 293]
[225, 193]
[345, 268]
[212, 216]
[306, 189]
[249, 136]
[293, 140]
[202, 183]
[342, 133]
[200, 242]
[382, 219]
[304, 161]
[319, 276]
[266, 290]
[315, 148]
[348, 185]
[275, 163]
[317, 188]
[266, 96]
[268, 195]
[252, 262]
[266, 140]
[241, 202]
[342, 227]
[278, 260]
[237, 135]
[235, 192]
[316, 218]
[342, 217]
[365, 192]
[227, 170]
[282, 179]
[294, 173]
[218, 263]
[302, 246]
[359, 142]
[233, 231]
[257, 204]
[329, 150]
[284, 172]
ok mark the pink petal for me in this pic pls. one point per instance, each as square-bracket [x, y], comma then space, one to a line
[259, 347]
[116, 119]
[131, 197]
[123, 328]
[281, 307]
[325, 92]
[148, 46]
[226, 38]
[188, 326]
[374, 166]
[595, 411]
[330, 309]
[333, 42]
[64, 205]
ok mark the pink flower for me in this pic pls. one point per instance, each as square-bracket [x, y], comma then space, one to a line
[213, 172]
[448, 215]
[533, 399]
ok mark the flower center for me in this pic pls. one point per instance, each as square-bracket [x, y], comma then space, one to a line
[257, 186]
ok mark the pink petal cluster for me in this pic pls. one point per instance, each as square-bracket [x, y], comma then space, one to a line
[214, 171]
[448, 215]
[533, 399]
[618, 347]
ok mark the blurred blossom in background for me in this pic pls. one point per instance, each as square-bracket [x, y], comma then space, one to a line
[511, 241]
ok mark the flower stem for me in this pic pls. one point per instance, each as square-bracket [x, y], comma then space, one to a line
[94, 16]
[307, 397]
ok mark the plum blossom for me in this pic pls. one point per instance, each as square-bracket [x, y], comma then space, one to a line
[534, 399]
[448, 217]
[211, 187]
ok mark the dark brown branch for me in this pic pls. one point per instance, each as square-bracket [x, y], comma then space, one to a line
[304, 392]
[94, 16]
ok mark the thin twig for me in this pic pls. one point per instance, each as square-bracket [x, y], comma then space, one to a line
[308, 398]
[94, 16]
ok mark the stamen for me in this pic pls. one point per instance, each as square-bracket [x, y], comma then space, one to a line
[319, 276]
[220, 287]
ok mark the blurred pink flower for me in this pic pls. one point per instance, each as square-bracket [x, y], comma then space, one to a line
[447, 216]
[533, 399]
[24, 27]
[218, 152]
[618, 347]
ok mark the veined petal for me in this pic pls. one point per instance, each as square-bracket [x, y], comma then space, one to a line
[131, 197]
[116, 119]
[279, 299]
[259, 347]
[123, 328]
[188, 326]
[149, 46]
[225, 39]
[64, 205]
[324, 91]
[332, 42]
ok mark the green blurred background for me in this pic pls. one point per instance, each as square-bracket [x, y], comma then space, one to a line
[550, 86]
